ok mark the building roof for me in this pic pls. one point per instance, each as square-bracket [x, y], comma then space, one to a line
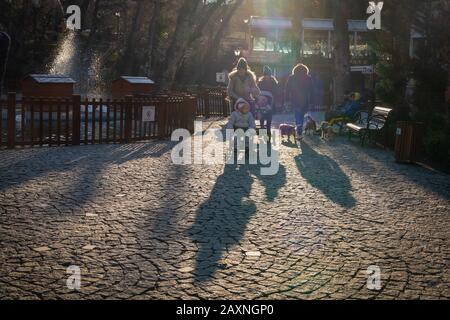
[51, 78]
[328, 25]
[270, 22]
[137, 80]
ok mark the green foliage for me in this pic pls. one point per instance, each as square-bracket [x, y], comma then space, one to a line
[391, 82]
[437, 135]
[428, 70]
[437, 144]
[429, 99]
[431, 84]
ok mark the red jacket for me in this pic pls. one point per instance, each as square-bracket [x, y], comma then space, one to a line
[268, 84]
[271, 85]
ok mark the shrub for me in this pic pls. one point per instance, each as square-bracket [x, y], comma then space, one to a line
[437, 139]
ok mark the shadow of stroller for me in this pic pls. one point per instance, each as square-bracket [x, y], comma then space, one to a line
[324, 173]
[221, 220]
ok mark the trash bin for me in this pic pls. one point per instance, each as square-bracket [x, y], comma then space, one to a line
[408, 141]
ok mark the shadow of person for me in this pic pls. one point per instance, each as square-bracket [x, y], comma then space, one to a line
[88, 162]
[323, 173]
[221, 220]
[289, 144]
[272, 183]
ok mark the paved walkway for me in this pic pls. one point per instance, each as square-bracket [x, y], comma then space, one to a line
[141, 228]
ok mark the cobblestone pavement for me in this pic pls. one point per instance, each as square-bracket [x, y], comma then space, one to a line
[142, 228]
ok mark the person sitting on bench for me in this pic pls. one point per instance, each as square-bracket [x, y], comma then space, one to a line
[346, 112]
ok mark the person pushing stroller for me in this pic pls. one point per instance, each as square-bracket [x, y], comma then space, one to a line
[242, 84]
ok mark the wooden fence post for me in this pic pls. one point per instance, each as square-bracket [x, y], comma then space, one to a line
[11, 131]
[160, 108]
[128, 118]
[192, 114]
[225, 107]
[76, 120]
[206, 101]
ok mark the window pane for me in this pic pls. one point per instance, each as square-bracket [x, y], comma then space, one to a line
[362, 48]
[316, 43]
[270, 45]
[259, 44]
[285, 47]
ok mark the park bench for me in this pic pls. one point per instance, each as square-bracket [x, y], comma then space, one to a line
[368, 128]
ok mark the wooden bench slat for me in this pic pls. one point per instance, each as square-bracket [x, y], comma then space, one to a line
[381, 111]
[376, 122]
[354, 127]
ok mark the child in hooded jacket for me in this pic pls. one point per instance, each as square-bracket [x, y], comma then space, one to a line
[242, 118]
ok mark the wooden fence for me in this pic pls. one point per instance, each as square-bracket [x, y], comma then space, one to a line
[212, 102]
[56, 122]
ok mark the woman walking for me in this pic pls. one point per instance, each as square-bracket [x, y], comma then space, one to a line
[242, 84]
[299, 89]
[268, 83]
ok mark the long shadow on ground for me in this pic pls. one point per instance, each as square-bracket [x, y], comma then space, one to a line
[323, 173]
[367, 161]
[222, 219]
[86, 160]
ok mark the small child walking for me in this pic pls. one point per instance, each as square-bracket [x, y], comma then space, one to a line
[264, 110]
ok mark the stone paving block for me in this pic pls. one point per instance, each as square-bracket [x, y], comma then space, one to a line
[139, 227]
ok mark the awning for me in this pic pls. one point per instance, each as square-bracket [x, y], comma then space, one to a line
[318, 24]
[270, 23]
[357, 26]
[328, 25]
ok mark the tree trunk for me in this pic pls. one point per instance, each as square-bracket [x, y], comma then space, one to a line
[341, 78]
[403, 12]
[19, 31]
[154, 38]
[5, 42]
[91, 20]
[130, 58]
[179, 42]
[297, 24]
[89, 11]
[213, 48]
[209, 14]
